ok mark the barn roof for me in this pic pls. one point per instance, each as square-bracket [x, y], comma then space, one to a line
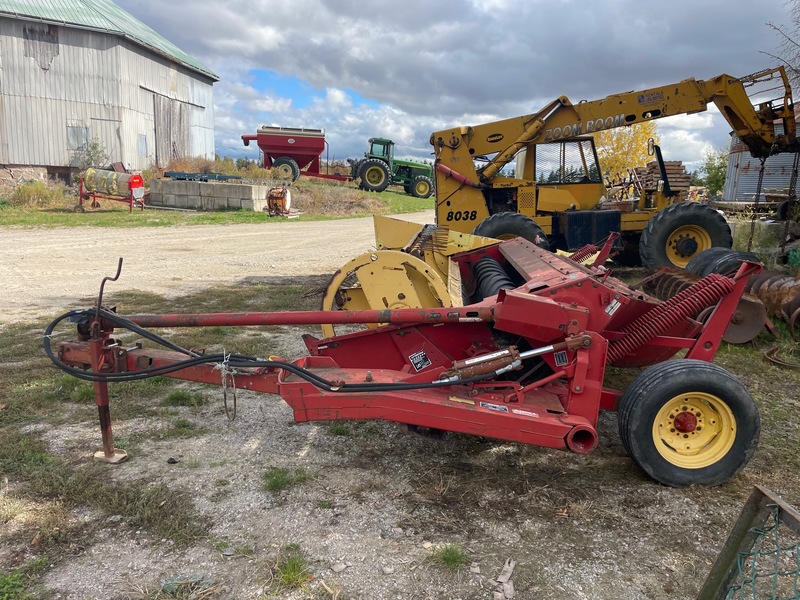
[103, 16]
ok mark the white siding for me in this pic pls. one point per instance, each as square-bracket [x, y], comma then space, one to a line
[94, 80]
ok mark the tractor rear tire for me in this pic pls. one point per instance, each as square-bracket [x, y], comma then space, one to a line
[421, 187]
[681, 231]
[688, 422]
[374, 174]
[508, 225]
[287, 168]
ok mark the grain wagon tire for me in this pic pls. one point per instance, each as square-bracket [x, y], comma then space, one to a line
[374, 174]
[688, 422]
[508, 225]
[422, 187]
[287, 168]
[701, 260]
[679, 232]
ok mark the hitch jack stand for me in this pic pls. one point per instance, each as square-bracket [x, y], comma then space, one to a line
[108, 454]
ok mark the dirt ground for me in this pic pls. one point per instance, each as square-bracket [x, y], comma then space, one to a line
[379, 500]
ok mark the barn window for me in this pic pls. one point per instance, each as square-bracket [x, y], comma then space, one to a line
[142, 145]
[77, 138]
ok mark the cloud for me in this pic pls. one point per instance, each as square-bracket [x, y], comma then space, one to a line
[406, 70]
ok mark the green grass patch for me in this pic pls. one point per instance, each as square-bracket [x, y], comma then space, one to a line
[184, 398]
[292, 571]
[278, 479]
[450, 557]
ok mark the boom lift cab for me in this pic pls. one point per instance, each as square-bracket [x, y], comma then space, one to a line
[557, 187]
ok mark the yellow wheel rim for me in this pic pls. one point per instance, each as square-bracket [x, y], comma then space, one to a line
[685, 242]
[375, 176]
[423, 188]
[694, 430]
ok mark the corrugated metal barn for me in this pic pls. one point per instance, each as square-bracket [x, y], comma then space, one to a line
[72, 71]
[741, 178]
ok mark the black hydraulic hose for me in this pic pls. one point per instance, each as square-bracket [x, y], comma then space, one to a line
[232, 360]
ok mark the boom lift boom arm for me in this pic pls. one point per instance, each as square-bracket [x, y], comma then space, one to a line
[561, 119]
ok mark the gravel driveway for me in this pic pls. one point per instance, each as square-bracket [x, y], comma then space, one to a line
[45, 270]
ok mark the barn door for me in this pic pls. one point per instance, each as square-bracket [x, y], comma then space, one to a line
[172, 124]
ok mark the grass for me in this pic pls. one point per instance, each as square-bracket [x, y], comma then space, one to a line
[291, 571]
[184, 398]
[450, 557]
[280, 478]
[40, 205]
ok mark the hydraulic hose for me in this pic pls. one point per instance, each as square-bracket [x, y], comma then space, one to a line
[231, 360]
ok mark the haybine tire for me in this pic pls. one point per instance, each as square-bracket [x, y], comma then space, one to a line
[688, 422]
[421, 187]
[681, 231]
[508, 225]
[374, 174]
[287, 168]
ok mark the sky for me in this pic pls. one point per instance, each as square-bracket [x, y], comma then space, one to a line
[403, 69]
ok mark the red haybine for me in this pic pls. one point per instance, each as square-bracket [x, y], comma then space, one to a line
[525, 362]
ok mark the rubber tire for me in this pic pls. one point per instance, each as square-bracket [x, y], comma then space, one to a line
[701, 260]
[508, 225]
[659, 384]
[653, 243]
[728, 263]
[285, 161]
[422, 187]
[370, 164]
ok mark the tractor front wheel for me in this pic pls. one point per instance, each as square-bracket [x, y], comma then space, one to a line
[421, 187]
[688, 422]
[375, 176]
[287, 168]
[508, 225]
[679, 232]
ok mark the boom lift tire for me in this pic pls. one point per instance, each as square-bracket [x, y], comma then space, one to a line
[688, 422]
[374, 174]
[287, 168]
[679, 232]
[508, 225]
[421, 187]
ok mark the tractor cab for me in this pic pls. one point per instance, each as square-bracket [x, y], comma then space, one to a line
[381, 148]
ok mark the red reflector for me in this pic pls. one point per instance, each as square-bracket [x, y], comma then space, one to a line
[135, 181]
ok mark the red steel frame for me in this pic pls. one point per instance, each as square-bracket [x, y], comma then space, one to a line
[568, 313]
[86, 195]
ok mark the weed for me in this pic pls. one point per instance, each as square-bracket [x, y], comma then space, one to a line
[278, 479]
[325, 504]
[12, 585]
[184, 398]
[182, 428]
[339, 429]
[450, 557]
[291, 568]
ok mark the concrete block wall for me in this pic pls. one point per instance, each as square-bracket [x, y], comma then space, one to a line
[212, 195]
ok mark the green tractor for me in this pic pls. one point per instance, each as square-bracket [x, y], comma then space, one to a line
[379, 169]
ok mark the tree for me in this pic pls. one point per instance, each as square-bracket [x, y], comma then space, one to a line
[93, 154]
[624, 148]
[715, 167]
[789, 46]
